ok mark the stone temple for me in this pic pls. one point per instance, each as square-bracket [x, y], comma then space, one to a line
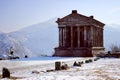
[79, 36]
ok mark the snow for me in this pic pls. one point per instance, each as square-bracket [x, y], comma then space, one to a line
[8, 43]
[103, 69]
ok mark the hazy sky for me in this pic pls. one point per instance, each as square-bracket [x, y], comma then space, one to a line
[17, 14]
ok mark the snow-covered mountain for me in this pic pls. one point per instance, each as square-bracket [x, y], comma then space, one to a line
[42, 38]
[8, 44]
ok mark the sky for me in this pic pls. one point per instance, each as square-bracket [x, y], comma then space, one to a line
[17, 14]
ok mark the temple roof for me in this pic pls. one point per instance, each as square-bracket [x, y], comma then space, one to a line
[76, 18]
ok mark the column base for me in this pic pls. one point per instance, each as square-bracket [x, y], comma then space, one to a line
[97, 50]
[73, 52]
[78, 52]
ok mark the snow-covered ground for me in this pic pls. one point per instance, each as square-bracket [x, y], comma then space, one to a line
[103, 69]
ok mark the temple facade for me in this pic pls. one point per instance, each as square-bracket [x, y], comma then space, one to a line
[79, 36]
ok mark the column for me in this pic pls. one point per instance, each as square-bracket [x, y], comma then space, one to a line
[63, 36]
[91, 43]
[71, 36]
[89, 36]
[78, 29]
[99, 38]
[96, 41]
[102, 37]
[94, 37]
[85, 36]
[60, 37]
[64, 39]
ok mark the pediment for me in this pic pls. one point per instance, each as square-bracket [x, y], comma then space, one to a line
[75, 18]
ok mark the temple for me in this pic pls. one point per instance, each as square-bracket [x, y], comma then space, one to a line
[79, 36]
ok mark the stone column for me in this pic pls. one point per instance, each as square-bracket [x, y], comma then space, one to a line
[63, 36]
[64, 31]
[102, 37]
[94, 37]
[85, 36]
[71, 36]
[96, 32]
[60, 37]
[99, 38]
[78, 31]
[89, 36]
[91, 29]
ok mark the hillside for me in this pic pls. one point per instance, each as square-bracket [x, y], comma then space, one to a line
[8, 44]
[40, 38]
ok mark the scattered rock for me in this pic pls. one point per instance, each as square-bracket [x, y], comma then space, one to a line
[81, 62]
[77, 64]
[50, 70]
[5, 73]
[88, 61]
[96, 59]
[65, 67]
[36, 72]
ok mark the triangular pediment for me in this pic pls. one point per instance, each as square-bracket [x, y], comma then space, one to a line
[76, 18]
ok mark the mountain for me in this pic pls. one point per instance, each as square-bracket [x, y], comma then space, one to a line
[8, 44]
[42, 38]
